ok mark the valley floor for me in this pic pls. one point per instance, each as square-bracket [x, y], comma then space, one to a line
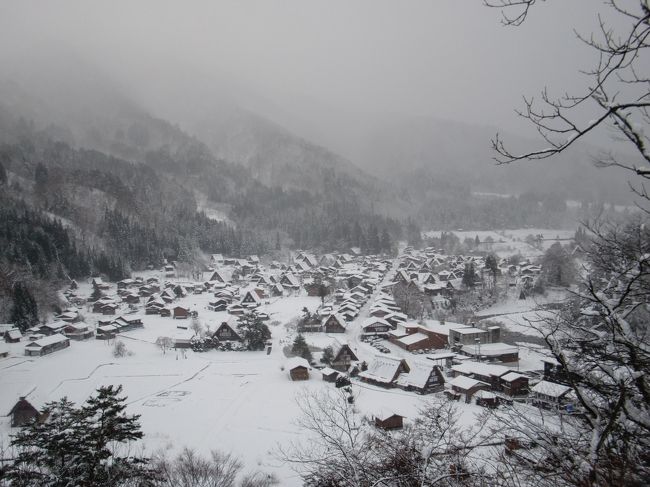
[238, 402]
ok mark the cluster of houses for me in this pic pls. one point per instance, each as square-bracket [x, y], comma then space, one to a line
[46, 338]
[440, 276]
[461, 379]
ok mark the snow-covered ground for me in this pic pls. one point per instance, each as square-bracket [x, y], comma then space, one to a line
[525, 316]
[239, 402]
[511, 242]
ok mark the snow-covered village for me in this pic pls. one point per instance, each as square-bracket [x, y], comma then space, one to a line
[343, 243]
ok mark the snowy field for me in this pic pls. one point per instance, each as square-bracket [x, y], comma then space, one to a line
[511, 242]
[239, 402]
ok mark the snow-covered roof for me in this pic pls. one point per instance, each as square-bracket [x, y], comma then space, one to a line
[49, 340]
[490, 349]
[414, 338]
[328, 371]
[442, 329]
[382, 369]
[465, 383]
[440, 355]
[468, 330]
[398, 333]
[482, 394]
[418, 376]
[550, 389]
[374, 321]
[294, 362]
[480, 368]
[513, 376]
[14, 334]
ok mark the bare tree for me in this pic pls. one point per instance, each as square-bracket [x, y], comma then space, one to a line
[196, 326]
[189, 469]
[344, 448]
[412, 300]
[601, 342]
[120, 350]
[164, 343]
[618, 92]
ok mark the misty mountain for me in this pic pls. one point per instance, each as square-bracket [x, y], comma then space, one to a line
[459, 155]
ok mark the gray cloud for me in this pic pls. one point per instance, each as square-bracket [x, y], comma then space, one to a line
[326, 69]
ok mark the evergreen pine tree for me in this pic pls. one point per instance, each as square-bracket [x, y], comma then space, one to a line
[24, 313]
[253, 330]
[300, 348]
[469, 275]
[76, 446]
[328, 355]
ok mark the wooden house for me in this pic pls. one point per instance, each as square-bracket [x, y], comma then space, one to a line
[343, 357]
[99, 283]
[277, 290]
[24, 411]
[485, 372]
[384, 371]
[379, 311]
[182, 339]
[486, 399]
[78, 331]
[290, 281]
[181, 313]
[424, 378]
[13, 335]
[226, 333]
[47, 345]
[52, 328]
[334, 323]
[376, 327]
[298, 368]
[514, 384]
[251, 299]
[466, 387]
[550, 395]
[389, 421]
[218, 305]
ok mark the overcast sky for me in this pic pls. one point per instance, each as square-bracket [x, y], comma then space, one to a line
[324, 62]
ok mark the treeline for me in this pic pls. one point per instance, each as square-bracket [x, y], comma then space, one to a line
[180, 235]
[448, 204]
[41, 245]
[331, 220]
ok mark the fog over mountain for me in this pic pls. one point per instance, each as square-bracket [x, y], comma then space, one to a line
[329, 72]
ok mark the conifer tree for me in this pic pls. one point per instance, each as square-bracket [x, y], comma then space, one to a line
[79, 446]
[300, 348]
[253, 330]
[24, 313]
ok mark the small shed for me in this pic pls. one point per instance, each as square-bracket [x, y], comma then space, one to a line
[13, 336]
[486, 399]
[24, 411]
[514, 383]
[298, 368]
[181, 313]
[467, 386]
[329, 375]
[389, 420]
[183, 339]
